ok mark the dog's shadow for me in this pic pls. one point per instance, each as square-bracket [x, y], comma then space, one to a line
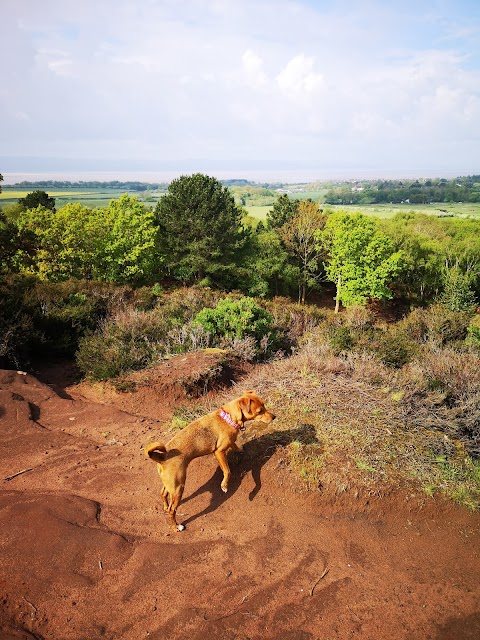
[256, 452]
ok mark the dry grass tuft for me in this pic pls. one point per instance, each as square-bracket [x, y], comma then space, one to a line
[370, 433]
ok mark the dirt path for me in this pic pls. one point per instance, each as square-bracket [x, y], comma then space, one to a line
[87, 552]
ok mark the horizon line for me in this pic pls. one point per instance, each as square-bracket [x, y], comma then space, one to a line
[288, 176]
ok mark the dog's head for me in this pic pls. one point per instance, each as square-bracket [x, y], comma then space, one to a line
[248, 407]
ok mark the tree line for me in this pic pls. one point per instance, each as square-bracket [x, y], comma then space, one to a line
[463, 189]
[198, 234]
[130, 185]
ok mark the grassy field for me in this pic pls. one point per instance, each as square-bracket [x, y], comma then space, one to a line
[101, 197]
[455, 209]
[87, 197]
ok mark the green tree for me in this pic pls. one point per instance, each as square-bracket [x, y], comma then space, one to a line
[113, 244]
[37, 199]
[420, 239]
[429, 243]
[39, 223]
[299, 235]
[200, 230]
[458, 292]
[267, 267]
[67, 242]
[130, 253]
[283, 211]
[1, 180]
[361, 260]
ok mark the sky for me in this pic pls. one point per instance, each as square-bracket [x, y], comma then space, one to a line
[240, 88]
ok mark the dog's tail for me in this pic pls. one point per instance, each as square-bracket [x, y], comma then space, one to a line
[156, 451]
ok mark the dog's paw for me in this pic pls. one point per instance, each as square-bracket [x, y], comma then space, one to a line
[224, 489]
[180, 527]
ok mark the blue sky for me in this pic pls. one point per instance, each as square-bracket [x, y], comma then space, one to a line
[240, 87]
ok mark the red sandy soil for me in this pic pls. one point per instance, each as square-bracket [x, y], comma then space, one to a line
[86, 550]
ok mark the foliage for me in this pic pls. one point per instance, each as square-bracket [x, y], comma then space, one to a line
[37, 199]
[200, 231]
[282, 212]
[67, 243]
[392, 346]
[133, 338]
[16, 324]
[462, 189]
[236, 320]
[113, 244]
[360, 260]
[473, 335]
[43, 319]
[431, 247]
[266, 266]
[458, 293]
[299, 236]
[130, 244]
[292, 320]
[17, 246]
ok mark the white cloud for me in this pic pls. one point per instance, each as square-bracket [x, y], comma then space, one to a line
[298, 77]
[253, 69]
[57, 61]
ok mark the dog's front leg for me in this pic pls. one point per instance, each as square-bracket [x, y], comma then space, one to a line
[222, 461]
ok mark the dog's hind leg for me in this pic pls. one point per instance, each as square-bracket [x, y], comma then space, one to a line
[165, 497]
[172, 509]
[173, 479]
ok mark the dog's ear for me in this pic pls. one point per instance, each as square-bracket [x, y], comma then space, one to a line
[246, 405]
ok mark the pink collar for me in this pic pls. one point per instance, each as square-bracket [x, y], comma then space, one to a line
[228, 419]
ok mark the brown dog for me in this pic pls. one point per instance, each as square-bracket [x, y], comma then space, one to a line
[214, 433]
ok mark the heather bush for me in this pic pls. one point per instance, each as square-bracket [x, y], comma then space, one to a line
[48, 319]
[17, 330]
[358, 318]
[292, 319]
[232, 320]
[136, 337]
[445, 326]
[473, 333]
[330, 334]
[392, 346]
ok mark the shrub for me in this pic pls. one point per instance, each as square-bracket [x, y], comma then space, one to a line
[473, 333]
[235, 320]
[392, 346]
[17, 330]
[292, 320]
[358, 317]
[436, 324]
[446, 326]
[443, 393]
[48, 319]
[340, 337]
[134, 338]
[458, 289]
[331, 334]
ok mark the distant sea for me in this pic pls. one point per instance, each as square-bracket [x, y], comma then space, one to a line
[287, 176]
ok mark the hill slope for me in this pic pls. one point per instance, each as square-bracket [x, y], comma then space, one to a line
[87, 552]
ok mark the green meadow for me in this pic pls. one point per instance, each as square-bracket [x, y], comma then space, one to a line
[454, 209]
[88, 197]
[100, 197]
